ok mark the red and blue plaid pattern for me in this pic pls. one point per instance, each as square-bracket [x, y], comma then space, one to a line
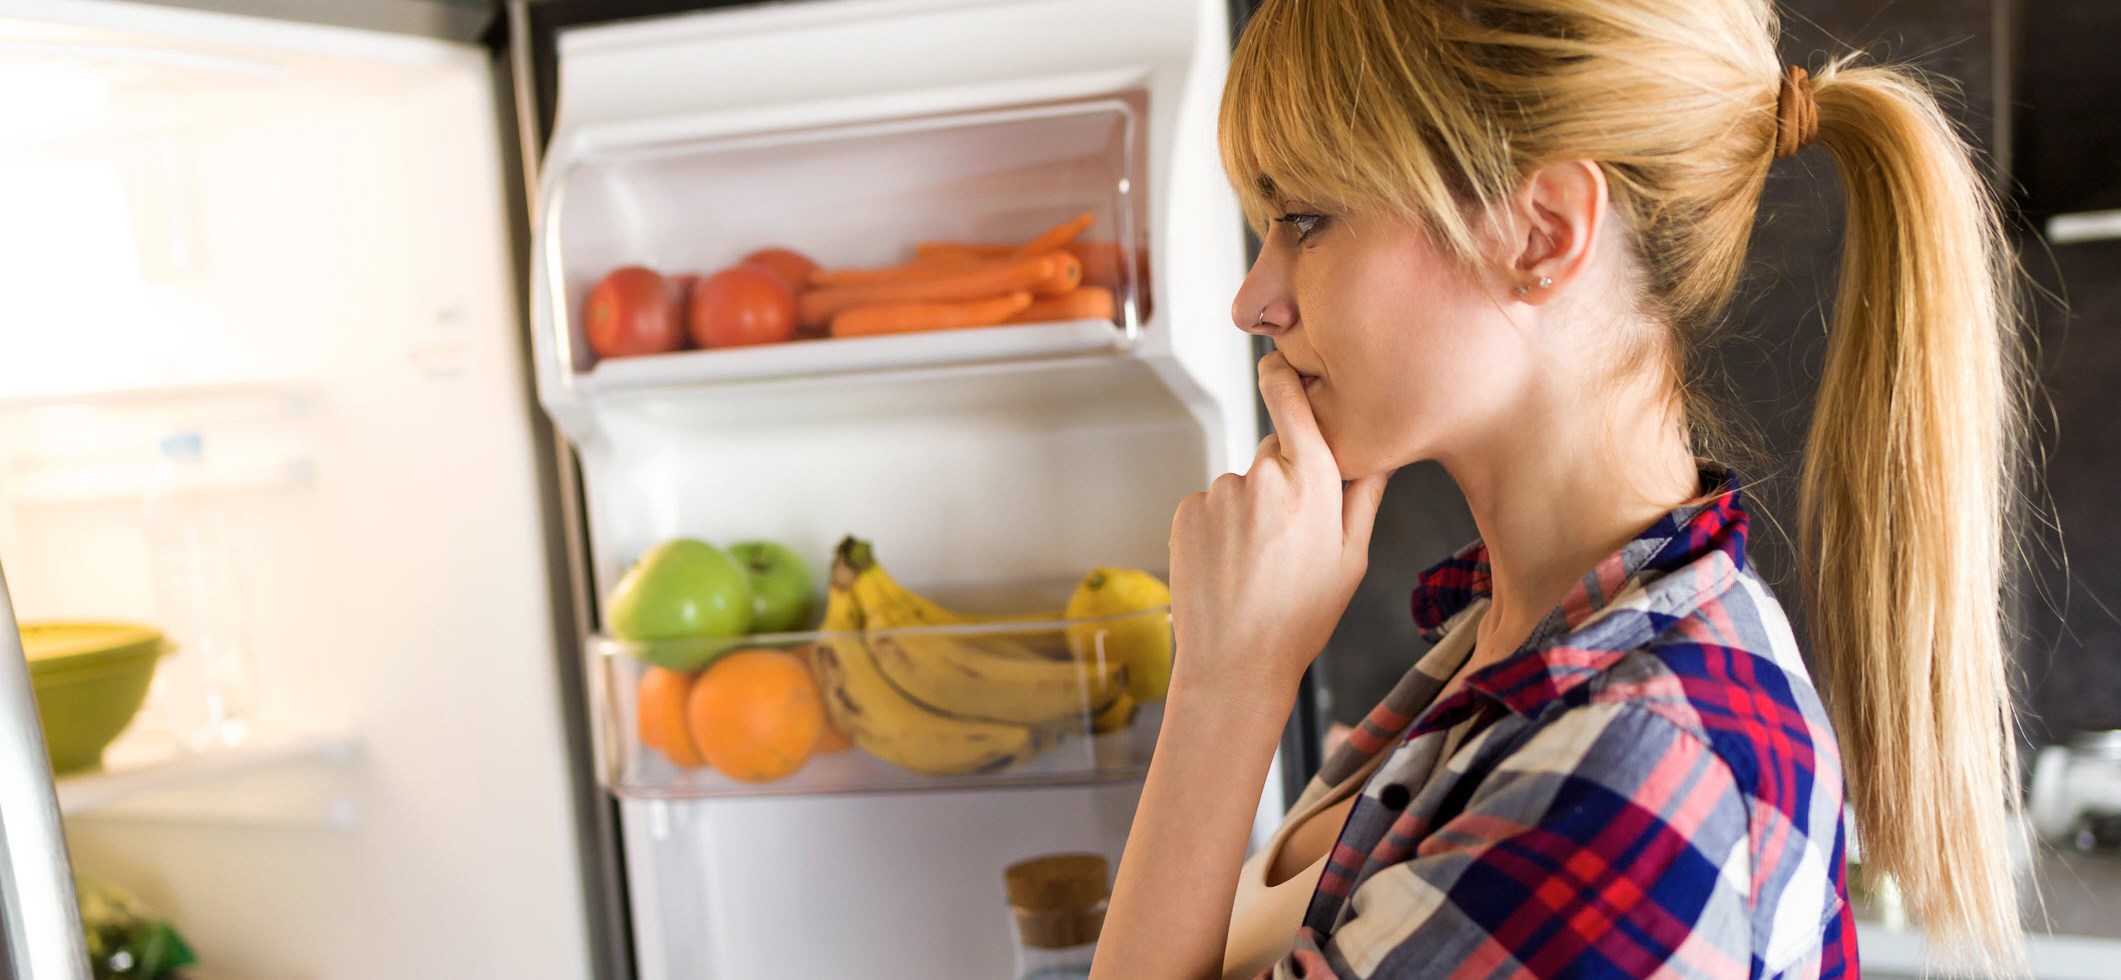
[1649, 786]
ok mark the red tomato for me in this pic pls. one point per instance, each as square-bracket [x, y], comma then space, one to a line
[742, 305]
[793, 267]
[634, 311]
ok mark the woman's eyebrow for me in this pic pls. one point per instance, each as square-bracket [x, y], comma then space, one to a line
[1265, 184]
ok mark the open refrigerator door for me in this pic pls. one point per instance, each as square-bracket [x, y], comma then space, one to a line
[990, 466]
[259, 273]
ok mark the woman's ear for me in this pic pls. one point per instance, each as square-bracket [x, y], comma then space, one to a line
[1558, 213]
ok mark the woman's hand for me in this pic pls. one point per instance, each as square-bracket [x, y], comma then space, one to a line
[1263, 564]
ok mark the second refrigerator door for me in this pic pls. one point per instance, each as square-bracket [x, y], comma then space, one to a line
[1013, 457]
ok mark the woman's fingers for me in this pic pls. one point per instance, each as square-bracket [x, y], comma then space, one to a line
[1358, 510]
[1283, 391]
[1269, 448]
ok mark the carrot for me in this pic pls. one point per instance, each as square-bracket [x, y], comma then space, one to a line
[1102, 260]
[1058, 235]
[982, 281]
[1067, 274]
[922, 267]
[890, 318]
[1087, 303]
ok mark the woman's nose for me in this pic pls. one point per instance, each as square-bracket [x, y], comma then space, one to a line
[1261, 306]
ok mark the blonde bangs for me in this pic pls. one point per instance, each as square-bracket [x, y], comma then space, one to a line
[1315, 108]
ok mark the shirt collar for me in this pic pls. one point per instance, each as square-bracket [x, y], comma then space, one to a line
[1617, 606]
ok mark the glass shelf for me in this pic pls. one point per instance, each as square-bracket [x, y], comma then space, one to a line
[1031, 702]
[272, 779]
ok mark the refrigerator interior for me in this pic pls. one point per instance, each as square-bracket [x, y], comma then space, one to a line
[290, 242]
[982, 457]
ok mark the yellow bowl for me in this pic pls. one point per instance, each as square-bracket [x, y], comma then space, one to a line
[89, 679]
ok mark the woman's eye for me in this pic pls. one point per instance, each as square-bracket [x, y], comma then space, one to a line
[1303, 223]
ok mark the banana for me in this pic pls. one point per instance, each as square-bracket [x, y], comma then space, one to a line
[1117, 716]
[968, 680]
[888, 724]
[990, 677]
[914, 609]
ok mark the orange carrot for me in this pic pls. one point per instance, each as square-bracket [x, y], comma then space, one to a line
[1103, 262]
[982, 281]
[890, 318]
[1087, 303]
[922, 267]
[1066, 277]
[1067, 274]
[1058, 235]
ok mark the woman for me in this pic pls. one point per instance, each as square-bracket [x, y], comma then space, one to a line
[1495, 234]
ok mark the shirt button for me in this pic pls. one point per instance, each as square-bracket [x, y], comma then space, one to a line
[1393, 796]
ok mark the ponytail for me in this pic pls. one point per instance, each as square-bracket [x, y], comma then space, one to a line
[1908, 480]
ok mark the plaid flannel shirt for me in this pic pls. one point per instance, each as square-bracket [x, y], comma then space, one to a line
[1648, 787]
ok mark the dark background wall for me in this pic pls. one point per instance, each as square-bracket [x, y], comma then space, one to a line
[1773, 345]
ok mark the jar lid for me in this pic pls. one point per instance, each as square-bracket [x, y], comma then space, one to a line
[1058, 883]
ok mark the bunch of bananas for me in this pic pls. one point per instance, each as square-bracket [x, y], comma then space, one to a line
[947, 702]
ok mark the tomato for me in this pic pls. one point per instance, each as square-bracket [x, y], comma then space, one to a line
[634, 311]
[793, 267]
[742, 305]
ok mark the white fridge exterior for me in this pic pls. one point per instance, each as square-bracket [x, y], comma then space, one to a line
[320, 260]
[363, 174]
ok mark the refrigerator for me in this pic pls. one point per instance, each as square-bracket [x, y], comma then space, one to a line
[343, 264]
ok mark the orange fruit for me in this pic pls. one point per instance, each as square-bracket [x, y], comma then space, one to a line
[756, 715]
[833, 740]
[660, 705]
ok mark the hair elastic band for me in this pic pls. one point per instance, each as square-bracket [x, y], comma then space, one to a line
[1796, 113]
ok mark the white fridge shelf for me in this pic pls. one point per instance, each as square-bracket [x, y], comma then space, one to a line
[851, 355]
[280, 779]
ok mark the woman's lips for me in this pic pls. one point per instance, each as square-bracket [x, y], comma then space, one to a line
[1308, 379]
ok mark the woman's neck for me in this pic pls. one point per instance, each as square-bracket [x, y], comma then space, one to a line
[1560, 487]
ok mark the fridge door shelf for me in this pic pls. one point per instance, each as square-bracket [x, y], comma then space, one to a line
[850, 194]
[1051, 691]
[851, 355]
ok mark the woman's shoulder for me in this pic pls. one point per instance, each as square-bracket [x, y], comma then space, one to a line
[1726, 667]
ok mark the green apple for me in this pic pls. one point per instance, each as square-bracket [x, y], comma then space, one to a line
[681, 589]
[781, 587]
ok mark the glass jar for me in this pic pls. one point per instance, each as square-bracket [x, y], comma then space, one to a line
[1058, 902]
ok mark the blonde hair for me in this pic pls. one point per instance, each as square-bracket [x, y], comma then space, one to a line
[1437, 110]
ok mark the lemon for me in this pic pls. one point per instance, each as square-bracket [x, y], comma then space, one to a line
[1142, 643]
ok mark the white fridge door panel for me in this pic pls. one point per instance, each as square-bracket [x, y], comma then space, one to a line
[803, 888]
[242, 206]
[1017, 470]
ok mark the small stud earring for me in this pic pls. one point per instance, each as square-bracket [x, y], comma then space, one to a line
[1521, 289]
[1545, 281]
